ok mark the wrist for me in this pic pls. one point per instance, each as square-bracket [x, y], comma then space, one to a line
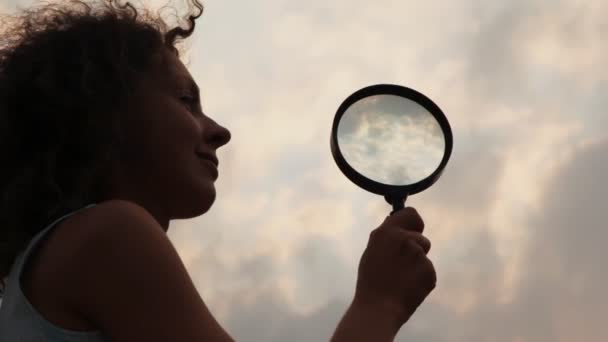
[387, 315]
[364, 323]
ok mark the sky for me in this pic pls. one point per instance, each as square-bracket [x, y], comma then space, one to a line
[517, 220]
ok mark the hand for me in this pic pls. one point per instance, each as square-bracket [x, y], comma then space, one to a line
[395, 275]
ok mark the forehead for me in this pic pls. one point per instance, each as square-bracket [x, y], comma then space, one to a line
[167, 75]
[173, 70]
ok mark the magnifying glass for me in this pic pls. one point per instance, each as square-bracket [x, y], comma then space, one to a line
[391, 140]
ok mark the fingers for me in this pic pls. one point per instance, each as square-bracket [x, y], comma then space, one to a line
[420, 240]
[410, 225]
[428, 275]
[413, 252]
[406, 218]
[397, 239]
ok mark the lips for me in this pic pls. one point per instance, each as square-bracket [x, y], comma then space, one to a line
[208, 156]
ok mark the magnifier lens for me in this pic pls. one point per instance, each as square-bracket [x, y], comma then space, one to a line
[391, 139]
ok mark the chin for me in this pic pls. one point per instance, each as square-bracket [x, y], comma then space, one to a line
[204, 202]
[205, 205]
[197, 204]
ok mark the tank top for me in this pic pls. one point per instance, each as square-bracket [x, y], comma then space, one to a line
[19, 319]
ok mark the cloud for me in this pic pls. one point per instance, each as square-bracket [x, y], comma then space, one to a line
[269, 319]
[383, 144]
[562, 264]
[516, 219]
[514, 129]
[509, 116]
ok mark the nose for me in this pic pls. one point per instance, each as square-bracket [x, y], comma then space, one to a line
[217, 135]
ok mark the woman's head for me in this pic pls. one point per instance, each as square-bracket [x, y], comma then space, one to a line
[95, 104]
[166, 132]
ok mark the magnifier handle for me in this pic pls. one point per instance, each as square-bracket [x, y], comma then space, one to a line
[398, 202]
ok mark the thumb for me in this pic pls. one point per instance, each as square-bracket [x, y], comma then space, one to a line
[406, 218]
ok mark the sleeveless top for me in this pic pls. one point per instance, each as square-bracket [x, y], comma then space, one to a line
[19, 320]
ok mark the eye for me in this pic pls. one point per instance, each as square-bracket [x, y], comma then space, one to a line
[191, 102]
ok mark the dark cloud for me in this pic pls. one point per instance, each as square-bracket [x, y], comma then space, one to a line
[264, 314]
[500, 64]
[269, 319]
[560, 295]
[563, 268]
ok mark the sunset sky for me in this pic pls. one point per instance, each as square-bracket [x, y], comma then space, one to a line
[518, 219]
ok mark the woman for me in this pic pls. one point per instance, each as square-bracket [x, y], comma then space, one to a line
[104, 142]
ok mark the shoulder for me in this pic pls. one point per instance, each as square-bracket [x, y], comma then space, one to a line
[108, 214]
[106, 228]
[109, 250]
[102, 220]
[126, 275]
[105, 240]
[111, 237]
[51, 277]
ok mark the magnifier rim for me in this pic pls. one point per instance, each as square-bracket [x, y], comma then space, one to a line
[370, 184]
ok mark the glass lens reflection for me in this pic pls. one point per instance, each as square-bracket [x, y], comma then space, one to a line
[391, 139]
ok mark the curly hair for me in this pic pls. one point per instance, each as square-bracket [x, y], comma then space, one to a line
[66, 71]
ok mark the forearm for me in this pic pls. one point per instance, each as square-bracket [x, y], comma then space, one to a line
[363, 325]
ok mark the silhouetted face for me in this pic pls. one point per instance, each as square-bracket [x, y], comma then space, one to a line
[165, 131]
